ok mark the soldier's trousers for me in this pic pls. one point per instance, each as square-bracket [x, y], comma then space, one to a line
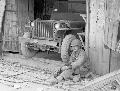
[68, 74]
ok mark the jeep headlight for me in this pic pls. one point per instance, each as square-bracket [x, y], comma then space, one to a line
[32, 24]
[57, 25]
[61, 25]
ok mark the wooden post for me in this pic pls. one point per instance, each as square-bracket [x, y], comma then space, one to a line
[104, 23]
[2, 10]
[87, 28]
[98, 52]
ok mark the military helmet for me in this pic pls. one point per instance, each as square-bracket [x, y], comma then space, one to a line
[76, 42]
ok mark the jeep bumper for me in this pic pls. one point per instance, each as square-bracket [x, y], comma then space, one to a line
[38, 44]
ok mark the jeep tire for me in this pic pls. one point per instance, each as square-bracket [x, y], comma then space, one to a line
[65, 47]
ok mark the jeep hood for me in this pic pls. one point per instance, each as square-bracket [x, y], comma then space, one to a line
[67, 16]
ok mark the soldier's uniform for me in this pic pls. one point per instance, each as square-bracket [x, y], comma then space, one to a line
[77, 63]
[78, 60]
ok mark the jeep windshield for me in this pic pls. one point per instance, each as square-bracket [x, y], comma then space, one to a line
[68, 10]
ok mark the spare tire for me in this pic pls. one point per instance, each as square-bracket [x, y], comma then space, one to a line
[27, 52]
[65, 47]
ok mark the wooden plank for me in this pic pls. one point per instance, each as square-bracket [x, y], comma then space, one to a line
[87, 28]
[115, 61]
[112, 24]
[103, 53]
[31, 10]
[115, 33]
[92, 35]
[10, 37]
[99, 55]
[112, 18]
[22, 14]
[25, 11]
[10, 5]
[2, 8]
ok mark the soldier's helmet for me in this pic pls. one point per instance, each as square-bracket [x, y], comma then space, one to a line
[76, 42]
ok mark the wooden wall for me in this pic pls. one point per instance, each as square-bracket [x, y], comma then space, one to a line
[99, 55]
[112, 31]
[102, 35]
[2, 9]
[25, 12]
[17, 14]
[10, 38]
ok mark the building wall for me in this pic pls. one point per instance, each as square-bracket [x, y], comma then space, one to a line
[10, 40]
[17, 14]
[99, 55]
[104, 17]
[2, 9]
[25, 13]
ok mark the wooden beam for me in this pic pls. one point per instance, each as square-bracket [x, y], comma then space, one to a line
[98, 53]
[87, 28]
[82, 2]
[2, 9]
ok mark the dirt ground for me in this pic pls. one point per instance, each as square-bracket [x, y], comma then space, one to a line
[18, 73]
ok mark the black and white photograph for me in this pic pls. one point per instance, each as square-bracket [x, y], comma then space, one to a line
[59, 45]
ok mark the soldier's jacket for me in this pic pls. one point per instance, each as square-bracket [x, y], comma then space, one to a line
[78, 58]
[79, 63]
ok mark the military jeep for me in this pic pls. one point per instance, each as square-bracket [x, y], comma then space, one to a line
[55, 34]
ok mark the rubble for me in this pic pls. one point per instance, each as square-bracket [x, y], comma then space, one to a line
[20, 73]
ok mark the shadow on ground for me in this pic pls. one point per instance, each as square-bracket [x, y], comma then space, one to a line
[51, 56]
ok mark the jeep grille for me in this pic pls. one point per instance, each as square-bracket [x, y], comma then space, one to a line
[43, 29]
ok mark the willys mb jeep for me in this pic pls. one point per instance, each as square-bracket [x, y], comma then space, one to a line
[55, 34]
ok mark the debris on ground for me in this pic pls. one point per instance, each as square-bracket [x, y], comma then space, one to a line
[19, 73]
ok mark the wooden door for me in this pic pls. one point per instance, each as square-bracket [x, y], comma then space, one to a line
[25, 12]
[16, 15]
[10, 38]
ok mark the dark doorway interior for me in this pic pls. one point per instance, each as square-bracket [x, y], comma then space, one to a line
[43, 9]
[38, 8]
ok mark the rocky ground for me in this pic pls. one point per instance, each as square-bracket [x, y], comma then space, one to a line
[32, 74]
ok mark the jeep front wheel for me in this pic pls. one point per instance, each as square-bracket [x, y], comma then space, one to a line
[65, 47]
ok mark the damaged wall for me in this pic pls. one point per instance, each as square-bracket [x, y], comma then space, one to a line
[17, 14]
[10, 38]
[104, 17]
[2, 9]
